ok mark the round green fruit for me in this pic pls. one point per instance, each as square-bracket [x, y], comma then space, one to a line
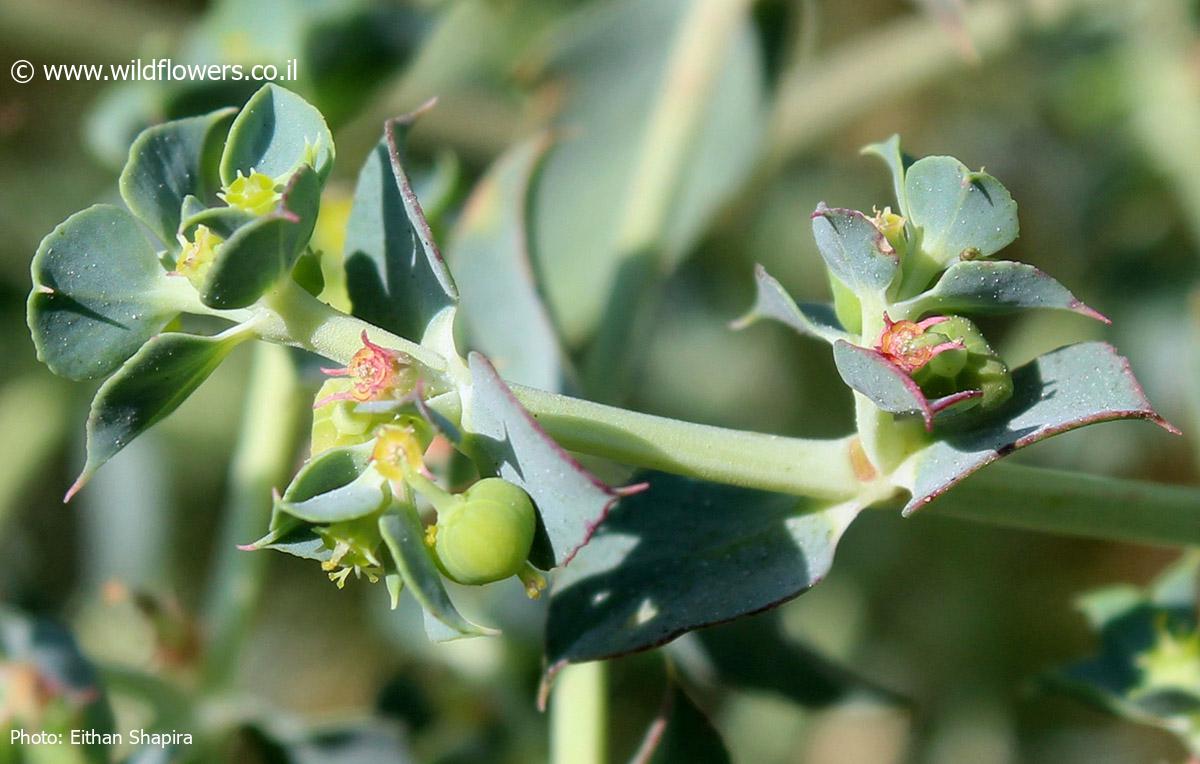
[486, 536]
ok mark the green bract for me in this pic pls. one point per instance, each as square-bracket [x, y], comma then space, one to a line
[486, 536]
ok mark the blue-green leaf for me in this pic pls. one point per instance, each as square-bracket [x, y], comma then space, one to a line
[1068, 388]
[148, 387]
[335, 485]
[870, 373]
[405, 539]
[502, 310]
[169, 162]
[223, 221]
[260, 252]
[618, 80]
[685, 554]
[855, 251]
[99, 293]
[780, 664]
[1149, 654]
[772, 301]
[394, 273]
[275, 133]
[981, 286]
[570, 501]
[889, 151]
[956, 210]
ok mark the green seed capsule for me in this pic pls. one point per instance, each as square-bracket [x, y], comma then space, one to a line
[486, 535]
[979, 368]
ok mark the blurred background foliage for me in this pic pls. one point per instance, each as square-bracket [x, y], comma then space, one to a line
[1088, 110]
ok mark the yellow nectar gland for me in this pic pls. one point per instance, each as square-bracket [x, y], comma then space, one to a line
[900, 342]
[376, 373]
[255, 193]
[890, 225]
[197, 256]
[398, 451]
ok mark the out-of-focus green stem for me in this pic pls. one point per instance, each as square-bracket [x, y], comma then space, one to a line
[261, 462]
[1076, 504]
[579, 715]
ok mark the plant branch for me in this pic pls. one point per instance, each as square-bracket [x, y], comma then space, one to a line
[1076, 504]
[261, 462]
[817, 468]
[579, 715]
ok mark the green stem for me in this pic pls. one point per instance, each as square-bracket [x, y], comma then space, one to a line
[294, 317]
[261, 462]
[1075, 504]
[819, 468]
[579, 715]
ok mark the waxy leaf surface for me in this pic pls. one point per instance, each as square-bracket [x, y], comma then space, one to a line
[335, 485]
[570, 501]
[685, 554]
[854, 249]
[169, 162]
[99, 293]
[148, 387]
[264, 250]
[772, 301]
[394, 273]
[981, 286]
[955, 209]
[1068, 388]
[274, 133]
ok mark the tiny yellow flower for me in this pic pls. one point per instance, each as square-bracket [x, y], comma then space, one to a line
[197, 255]
[255, 193]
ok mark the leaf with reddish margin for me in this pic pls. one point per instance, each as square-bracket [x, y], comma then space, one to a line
[571, 502]
[772, 301]
[854, 249]
[994, 287]
[685, 554]
[1059, 391]
[886, 384]
[680, 732]
[394, 273]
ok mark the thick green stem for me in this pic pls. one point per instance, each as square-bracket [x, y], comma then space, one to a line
[579, 715]
[261, 462]
[1075, 504]
[819, 468]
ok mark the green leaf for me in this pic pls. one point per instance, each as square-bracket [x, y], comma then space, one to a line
[618, 76]
[772, 301]
[335, 485]
[570, 501]
[502, 310]
[685, 554]
[994, 287]
[148, 387]
[870, 373]
[275, 133]
[405, 539]
[169, 162]
[956, 210]
[1132, 676]
[99, 293]
[681, 733]
[855, 251]
[1071, 387]
[262, 251]
[889, 151]
[75, 697]
[223, 221]
[780, 664]
[394, 273]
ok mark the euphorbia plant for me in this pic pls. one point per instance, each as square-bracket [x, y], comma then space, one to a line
[425, 464]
